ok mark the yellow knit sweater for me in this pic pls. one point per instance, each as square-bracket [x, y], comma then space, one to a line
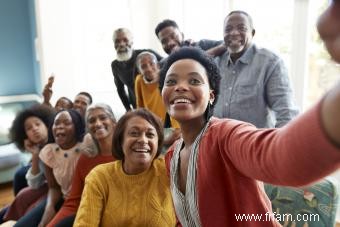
[112, 198]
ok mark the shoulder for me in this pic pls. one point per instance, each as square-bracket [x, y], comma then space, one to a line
[265, 53]
[139, 78]
[114, 63]
[223, 128]
[159, 166]
[104, 168]
[102, 171]
[116, 67]
[222, 59]
[218, 123]
[48, 151]
[84, 159]
[159, 163]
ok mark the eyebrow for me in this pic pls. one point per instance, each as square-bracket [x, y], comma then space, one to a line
[139, 128]
[195, 74]
[172, 75]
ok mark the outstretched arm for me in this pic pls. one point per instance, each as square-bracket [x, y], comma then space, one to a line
[330, 115]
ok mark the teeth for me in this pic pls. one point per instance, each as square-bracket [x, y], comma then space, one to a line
[99, 130]
[182, 101]
[141, 150]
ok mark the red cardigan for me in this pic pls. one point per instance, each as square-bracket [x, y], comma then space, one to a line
[84, 166]
[232, 154]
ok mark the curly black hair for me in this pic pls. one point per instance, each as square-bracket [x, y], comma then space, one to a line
[118, 135]
[165, 23]
[17, 131]
[197, 54]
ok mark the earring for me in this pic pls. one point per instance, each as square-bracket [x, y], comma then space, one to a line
[211, 101]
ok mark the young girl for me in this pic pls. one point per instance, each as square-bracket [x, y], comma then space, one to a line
[217, 166]
[29, 132]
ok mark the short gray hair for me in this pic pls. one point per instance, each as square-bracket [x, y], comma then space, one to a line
[125, 30]
[92, 147]
[139, 56]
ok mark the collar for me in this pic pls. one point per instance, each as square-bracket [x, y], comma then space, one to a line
[246, 56]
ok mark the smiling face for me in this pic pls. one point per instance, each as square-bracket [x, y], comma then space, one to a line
[99, 124]
[123, 45]
[170, 38]
[140, 144]
[238, 33]
[63, 104]
[80, 104]
[149, 68]
[186, 91]
[36, 130]
[64, 131]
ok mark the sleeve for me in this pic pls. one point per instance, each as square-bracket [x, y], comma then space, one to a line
[35, 181]
[71, 204]
[46, 155]
[297, 154]
[138, 92]
[206, 44]
[92, 202]
[120, 89]
[279, 94]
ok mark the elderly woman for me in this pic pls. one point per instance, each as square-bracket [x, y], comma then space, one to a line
[100, 123]
[133, 191]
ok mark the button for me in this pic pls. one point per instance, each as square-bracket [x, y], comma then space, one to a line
[230, 88]
[227, 104]
[234, 71]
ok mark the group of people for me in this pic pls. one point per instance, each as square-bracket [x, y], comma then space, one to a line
[254, 86]
[214, 168]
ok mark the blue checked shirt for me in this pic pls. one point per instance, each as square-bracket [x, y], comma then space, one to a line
[256, 89]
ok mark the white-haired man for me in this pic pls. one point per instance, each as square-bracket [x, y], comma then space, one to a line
[124, 67]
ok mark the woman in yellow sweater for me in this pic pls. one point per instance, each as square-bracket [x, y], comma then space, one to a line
[133, 191]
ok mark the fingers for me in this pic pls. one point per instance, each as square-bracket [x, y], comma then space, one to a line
[50, 81]
[31, 147]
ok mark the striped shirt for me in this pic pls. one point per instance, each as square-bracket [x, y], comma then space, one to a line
[186, 205]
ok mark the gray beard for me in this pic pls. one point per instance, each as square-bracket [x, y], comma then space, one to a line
[124, 56]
